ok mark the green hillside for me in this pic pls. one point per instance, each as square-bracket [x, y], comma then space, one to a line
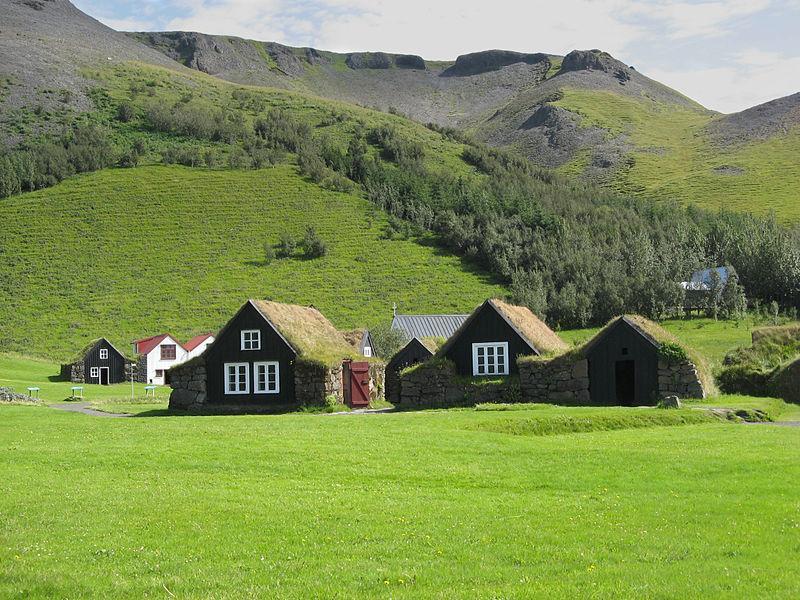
[672, 155]
[126, 253]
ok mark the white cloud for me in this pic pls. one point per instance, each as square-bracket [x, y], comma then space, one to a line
[683, 20]
[750, 78]
[436, 30]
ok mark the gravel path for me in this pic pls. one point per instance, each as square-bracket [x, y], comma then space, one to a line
[83, 408]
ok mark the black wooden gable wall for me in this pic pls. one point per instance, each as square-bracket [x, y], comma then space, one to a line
[414, 352]
[623, 353]
[486, 326]
[115, 363]
[227, 349]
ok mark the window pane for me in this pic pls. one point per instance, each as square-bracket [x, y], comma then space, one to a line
[500, 350]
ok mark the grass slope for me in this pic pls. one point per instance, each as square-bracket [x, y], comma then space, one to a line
[673, 157]
[127, 253]
[288, 507]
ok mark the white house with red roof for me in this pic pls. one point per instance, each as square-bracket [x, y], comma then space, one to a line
[198, 344]
[156, 355]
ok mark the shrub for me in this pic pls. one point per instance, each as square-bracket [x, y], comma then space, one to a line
[125, 112]
[313, 245]
[286, 245]
[672, 352]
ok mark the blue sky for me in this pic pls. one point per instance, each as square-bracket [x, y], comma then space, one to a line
[728, 55]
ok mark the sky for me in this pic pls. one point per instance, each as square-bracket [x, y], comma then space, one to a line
[726, 55]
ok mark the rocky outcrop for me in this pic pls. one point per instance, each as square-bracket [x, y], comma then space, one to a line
[8, 395]
[493, 60]
[381, 60]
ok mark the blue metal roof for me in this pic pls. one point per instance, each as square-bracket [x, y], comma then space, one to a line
[701, 280]
[421, 326]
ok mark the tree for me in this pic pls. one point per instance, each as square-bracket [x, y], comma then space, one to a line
[387, 341]
[528, 289]
[733, 300]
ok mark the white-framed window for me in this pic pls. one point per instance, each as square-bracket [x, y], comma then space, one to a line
[490, 359]
[237, 378]
[94, 372]
[103, 353]
[251, 339]
[266, 376]
[367, 351]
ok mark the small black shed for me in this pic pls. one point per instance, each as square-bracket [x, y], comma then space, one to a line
[494, 335]
[414, 352]
[99, 362]
[623, 363]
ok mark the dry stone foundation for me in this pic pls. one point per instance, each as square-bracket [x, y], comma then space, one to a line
[435, 384]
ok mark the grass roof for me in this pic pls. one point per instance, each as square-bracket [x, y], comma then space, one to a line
[531, 327]
[83, 351]
[307, 331]
[354, 337]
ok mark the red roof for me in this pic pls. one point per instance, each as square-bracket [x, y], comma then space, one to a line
[196, 341]
[147, 344]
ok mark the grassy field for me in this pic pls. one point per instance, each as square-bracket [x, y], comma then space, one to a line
[126, 253]
[433, 504]
[674, 158]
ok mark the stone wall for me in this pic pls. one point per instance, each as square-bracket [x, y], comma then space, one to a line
[188, 382]
[565, 380]
[558, 381]
[314, 382]
[74, 372]
[377, 381]
[679, 378]
[141, 368]
[435, 384]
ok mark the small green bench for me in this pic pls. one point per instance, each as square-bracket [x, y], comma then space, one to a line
[33, 390]
[77, 392]
[151, 390]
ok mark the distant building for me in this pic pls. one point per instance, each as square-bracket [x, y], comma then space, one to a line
[98, 362]
[489, 341]
[427, 326]
[198, 344]
[700, 285]
[361, 340]
[156, 355]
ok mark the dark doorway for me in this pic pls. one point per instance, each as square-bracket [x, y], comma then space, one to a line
[104, 375]
[625, 376]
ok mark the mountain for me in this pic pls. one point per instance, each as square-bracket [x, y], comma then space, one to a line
[46, 49]
[586, 114]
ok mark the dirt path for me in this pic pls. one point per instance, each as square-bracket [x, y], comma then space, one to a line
[83, 408]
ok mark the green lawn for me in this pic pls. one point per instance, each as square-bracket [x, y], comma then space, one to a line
[430, 504]
[126, 253]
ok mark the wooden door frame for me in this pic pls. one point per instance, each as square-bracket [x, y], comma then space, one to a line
[108, 375]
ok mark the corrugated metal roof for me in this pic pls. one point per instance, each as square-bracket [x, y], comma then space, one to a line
[421, 326]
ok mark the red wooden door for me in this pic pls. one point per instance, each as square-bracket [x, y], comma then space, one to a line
[359, 384]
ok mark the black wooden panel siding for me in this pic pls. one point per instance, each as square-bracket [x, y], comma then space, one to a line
[487, 326]
[115, 363]
[227, 349]
[621, 344]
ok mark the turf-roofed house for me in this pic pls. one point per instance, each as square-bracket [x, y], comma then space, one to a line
[630, 362]
[414, 352]
[483, 350]
[276, 356]
[488, 343]
[99, 362]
